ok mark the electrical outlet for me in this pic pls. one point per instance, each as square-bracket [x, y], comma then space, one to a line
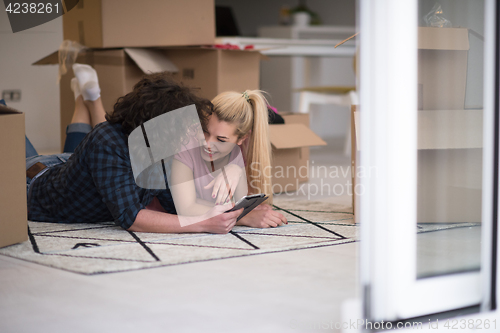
[11, 95]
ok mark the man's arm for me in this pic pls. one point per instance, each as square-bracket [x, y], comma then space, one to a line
[154, 221]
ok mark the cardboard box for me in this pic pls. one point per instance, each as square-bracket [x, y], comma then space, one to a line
[146, 23]
[449, 169]
[442, 68]
[290, 143]
[298, 118]
[210, 71]
[13, 207]
[213, 71]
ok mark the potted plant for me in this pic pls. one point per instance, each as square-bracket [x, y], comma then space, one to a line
[303, 16]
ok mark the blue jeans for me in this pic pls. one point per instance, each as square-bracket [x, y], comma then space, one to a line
[74, 135]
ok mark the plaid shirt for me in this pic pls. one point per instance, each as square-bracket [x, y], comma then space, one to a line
[95, 184]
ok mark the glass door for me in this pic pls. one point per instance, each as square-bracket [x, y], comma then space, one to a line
[427, 109]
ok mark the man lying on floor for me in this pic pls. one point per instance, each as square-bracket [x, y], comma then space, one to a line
[92, 181]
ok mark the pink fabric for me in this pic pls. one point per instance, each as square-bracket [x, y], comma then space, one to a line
[191, 156]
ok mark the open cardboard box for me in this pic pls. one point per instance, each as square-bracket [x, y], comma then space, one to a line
[449, 137]
[290, 143]
[210, 71]
[146, 23]
[13, 211]
[442, 67]
[449, 165]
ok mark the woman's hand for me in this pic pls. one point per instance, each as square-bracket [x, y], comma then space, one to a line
[223, 189]
[263, 216]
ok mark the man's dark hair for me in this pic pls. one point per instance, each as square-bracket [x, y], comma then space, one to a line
[154, 95]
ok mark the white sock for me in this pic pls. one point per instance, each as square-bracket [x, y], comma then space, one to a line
[75, 87]
[88, 82]
[91, 91]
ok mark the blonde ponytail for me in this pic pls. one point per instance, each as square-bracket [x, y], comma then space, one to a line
[249, 111]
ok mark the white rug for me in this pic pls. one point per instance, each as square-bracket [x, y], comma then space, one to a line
[95, 248]
[105, 248]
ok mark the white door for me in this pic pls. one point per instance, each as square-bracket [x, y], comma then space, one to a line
[429, 156]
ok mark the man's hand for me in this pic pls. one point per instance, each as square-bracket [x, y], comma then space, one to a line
[219, 222]
[263, 216]
[224, 188]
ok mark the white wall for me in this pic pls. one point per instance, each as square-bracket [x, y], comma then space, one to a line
[328, 121]
[331, 121]
[39, 91]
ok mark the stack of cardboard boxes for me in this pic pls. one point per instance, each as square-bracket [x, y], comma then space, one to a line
[449, 136]
[125, 41]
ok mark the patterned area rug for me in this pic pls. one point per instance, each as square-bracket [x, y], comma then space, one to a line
[105, 248]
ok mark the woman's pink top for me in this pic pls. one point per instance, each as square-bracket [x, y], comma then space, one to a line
[191, 156]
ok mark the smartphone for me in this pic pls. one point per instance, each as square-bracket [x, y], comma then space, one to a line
[248, 202]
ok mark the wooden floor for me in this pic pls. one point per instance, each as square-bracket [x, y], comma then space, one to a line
[264, 293]
[294, 291]
[279, 292]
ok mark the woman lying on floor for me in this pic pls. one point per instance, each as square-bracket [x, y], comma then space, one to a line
[226, 159]
[92, 180]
